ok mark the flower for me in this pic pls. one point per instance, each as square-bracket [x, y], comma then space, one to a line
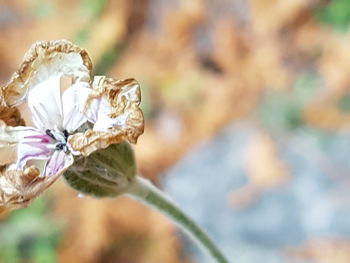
[67, 114]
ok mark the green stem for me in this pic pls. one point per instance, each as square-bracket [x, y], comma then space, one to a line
[147, 193]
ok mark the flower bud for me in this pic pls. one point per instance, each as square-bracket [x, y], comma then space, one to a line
[104, 173]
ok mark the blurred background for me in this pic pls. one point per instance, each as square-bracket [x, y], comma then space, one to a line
[247, 110]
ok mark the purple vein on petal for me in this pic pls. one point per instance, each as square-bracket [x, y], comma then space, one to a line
[33, 147]
[42, 138]
[56, 163]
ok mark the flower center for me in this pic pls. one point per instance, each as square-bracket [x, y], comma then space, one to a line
[60, 138]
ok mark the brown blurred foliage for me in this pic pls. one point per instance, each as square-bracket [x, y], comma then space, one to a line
[202, 64]
[322, 251]
[265, 170]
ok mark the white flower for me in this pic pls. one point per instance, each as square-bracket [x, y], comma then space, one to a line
[54, 83]
[55, 117]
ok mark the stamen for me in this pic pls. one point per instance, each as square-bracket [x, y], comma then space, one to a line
[65, 148]
[49, 133]
[60, 146]
[58, 136]
[51, 146]
[66, 134]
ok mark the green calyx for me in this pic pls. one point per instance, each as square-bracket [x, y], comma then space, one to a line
[105, 173]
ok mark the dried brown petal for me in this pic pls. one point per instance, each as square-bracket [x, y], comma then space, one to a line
[8, 144]
[43, 60]
[11, 116]
[8, 136]
[2, 100]
[124, 97]
[19, 188]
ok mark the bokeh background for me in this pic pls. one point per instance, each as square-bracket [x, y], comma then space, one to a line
[247, 110]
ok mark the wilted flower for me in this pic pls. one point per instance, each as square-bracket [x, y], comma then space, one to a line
[55, 119]
[67, 114]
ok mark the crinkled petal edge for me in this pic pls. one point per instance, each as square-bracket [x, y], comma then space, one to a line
[15, 90]
[19, 187]
[125, 118]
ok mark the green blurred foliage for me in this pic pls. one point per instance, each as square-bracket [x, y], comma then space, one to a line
[108, 59]
[82, 36]
[336, 13]
[93, 7]
[29, 235]
[282, 110]
[43, 9]
[344, 103]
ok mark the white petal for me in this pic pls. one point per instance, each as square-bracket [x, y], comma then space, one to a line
[73, 101]
[102, 109]
[99, 112]
[91, 112]
[57, 163]
[44, 101]
[102, 121]
[32, 145]
[118, 99]
[63, 63]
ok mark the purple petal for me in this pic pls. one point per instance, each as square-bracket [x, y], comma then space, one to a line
[32, 145]
[58, 162]
[43, 138]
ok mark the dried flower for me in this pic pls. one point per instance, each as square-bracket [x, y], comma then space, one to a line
[69, 115]
[75, 126]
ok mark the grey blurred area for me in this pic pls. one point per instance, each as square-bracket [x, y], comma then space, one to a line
[270, 226]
